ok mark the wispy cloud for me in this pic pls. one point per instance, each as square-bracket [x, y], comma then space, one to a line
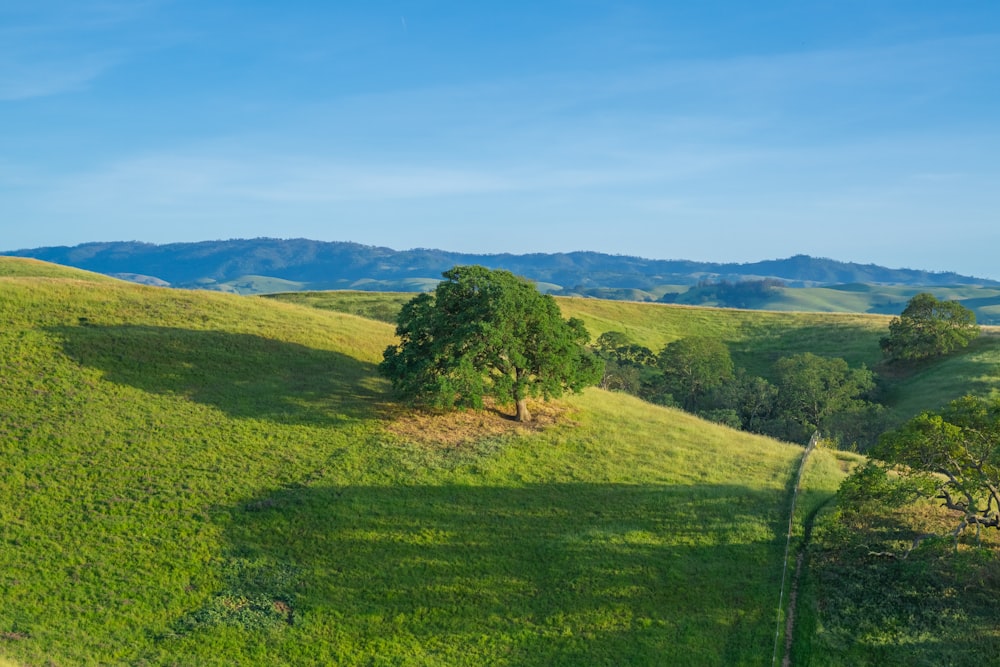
[188, 178]
[21, 79]
[58, 47]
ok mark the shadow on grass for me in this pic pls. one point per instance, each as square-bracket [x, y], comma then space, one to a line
[560, 574]
[879, 590]
[243, 375]
[929, 385]
[935, 607]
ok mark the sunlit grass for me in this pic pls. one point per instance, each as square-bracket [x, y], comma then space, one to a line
[195, 478]
[199, 478]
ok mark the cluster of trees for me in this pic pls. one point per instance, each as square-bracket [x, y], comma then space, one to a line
[802, 393]
[805, 391]
[740, 294]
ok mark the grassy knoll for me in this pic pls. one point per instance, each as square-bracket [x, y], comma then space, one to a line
[36, 269]
[197, 478]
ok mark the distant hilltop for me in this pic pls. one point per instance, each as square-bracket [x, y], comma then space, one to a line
[272, 265]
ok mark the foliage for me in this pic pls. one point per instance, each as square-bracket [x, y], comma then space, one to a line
[617, 346]
[751, 398]
[691, 368]
[957, 454]
[626, 364]
[929, 328]
[885, 589]
[487, 333]
[814, 390]
[741, 294]
[756, 339]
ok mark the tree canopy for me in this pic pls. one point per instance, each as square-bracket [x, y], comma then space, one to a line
[929, 328]
[692, 367]
[955, 454]
[487, 333]
[817, 392]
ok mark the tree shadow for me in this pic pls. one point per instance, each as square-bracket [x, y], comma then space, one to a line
[244, 375]
[885, 592]
[536, 575]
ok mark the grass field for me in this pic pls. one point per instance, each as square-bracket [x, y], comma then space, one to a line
[197, 478]
[194, 478]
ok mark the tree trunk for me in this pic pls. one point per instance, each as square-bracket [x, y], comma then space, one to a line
[522, 410]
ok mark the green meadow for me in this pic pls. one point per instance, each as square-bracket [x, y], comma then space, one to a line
[199, 478]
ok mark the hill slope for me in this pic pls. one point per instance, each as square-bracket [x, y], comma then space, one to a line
[198, 478]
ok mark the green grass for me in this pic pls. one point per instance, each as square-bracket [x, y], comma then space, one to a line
[381, 306]
[930, 386]
[35, 269]
[756, 338]
[195, 478]
[256, 285]
[198, 478]
[935, 606]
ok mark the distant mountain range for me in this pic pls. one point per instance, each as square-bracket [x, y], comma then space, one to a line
[270, 265]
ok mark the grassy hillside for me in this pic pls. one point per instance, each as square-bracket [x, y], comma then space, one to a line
[984, 300]
[195, 478]
[381, 306]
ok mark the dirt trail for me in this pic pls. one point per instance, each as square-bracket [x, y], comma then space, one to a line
[794, 584]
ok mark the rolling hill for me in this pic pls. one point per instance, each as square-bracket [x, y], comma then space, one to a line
[198, 478]
[264, 266]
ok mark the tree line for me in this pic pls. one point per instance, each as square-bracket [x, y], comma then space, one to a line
[805, 392]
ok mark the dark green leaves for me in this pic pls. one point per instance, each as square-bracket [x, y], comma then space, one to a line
[486, 333]
[929, 328]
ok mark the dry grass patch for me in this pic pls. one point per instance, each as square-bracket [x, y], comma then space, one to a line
[455, 429]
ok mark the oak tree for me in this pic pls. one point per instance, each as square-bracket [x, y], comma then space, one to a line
[487, 333]
[955, 454]
[929, 328]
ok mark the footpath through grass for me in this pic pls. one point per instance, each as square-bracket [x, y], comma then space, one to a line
[197, 479]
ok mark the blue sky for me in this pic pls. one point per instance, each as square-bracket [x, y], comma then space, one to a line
[863, 131]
